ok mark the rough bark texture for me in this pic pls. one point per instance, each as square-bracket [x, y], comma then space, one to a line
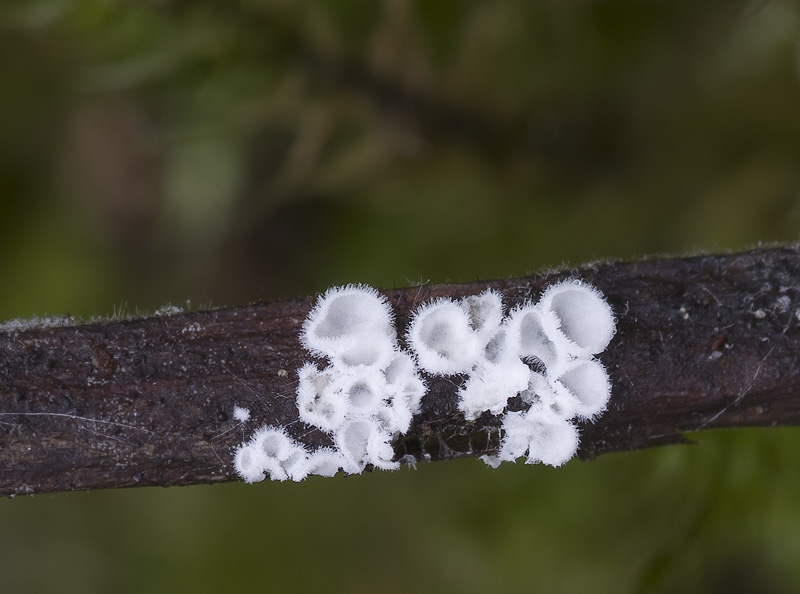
[702, 342]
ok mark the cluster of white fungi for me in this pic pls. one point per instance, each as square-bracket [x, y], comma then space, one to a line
[371, 387]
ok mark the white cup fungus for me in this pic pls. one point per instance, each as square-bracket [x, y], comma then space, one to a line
[371, 388]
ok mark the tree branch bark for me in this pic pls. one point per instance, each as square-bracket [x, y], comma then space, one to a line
[702, 342]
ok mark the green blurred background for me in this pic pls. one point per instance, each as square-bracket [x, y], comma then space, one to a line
[225, 152]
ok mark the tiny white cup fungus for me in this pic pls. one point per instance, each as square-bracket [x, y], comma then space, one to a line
[394, 416]
[280, 451]
[363, 394]
[344, 314]
[380, 451]
[586, 319]
[318, 402]
[587, 382]
[324, 462]
[250, 463]
[553, 441]
[403, 382]
[241, 414]
[534, 334]
[365, 350]
[442, 338]
[352, 440]
[371, 388]
[490, 387]
[485, 311]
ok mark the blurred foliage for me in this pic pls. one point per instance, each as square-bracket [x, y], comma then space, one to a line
[225, 152]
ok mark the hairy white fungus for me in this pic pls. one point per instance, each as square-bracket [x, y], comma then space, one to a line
[367, 350]
[485, 311]
[324, 462]
[553, 441]
[496, 349]
[586, 319]
[363, 441]
[395, 416]
[363, 395]
[250, 464]
[442, 338]
[403, 383]
[279, 450]
[542, 354]
[401, 370]
[535, 336]
[587, 382]
[241, 414]
[490, 387]
[269, 452]
[544, 438]
[362, 399]
[318, 401]
[345, 316]
[352, 440]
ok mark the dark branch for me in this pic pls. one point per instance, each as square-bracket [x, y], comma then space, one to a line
[702, 342]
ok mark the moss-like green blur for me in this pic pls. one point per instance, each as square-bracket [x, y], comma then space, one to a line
[162, 151]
